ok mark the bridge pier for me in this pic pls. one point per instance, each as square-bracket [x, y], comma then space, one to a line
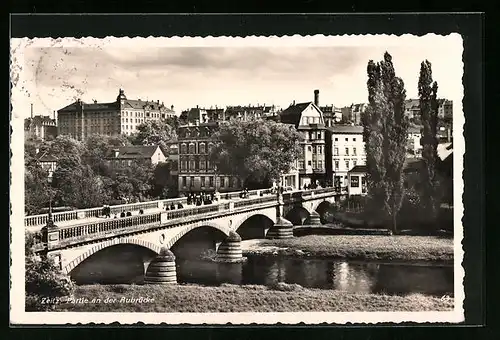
[281, 229]
[314, 218]
[230, 249]
[162, 269]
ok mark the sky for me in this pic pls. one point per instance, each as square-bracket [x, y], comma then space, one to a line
[53, 75]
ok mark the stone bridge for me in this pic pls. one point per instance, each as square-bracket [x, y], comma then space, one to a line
[263, 214]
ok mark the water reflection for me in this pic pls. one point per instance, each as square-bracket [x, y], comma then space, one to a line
[364, 277]
[322, 274]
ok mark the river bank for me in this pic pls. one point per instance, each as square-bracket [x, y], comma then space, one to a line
[234, 298]
[355, 247]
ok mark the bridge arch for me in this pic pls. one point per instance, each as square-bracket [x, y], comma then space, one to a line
[321, 204]
[255, 225]
[100, 246]
[189, 228]
[297, 214]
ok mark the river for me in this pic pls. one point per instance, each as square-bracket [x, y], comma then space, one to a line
[362, 277]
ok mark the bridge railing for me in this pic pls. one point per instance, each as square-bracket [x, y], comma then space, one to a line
[40, 220]
[253, 201]
[108, 225]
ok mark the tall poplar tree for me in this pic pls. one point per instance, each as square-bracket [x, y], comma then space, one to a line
[427, 92]
[385, 128]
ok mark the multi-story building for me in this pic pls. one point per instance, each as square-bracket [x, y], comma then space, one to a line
[80, 120]
[356, 112]
[412, 108]
[248, 112]
[308, 119]
[445, 109]
[196, 171]
[331, 114]
[347, 151]
[40, 127]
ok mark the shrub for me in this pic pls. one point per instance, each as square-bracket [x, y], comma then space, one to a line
[45, 284]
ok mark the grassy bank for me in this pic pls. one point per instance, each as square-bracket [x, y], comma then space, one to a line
[231, 298]
[383, 248]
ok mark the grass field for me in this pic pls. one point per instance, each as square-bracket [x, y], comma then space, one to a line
[232, 298]
[384, 248]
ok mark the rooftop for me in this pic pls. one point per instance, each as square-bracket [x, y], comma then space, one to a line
[360, 169]
[340, 129]
[136, 151]
[293, 113]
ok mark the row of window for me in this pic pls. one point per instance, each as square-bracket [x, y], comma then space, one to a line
[346, 153]
[208, 182]
[314, 164]
[316, 149]
[347, 164]
[314, 135]
[192, 148]
[346, 139]
[191, 165]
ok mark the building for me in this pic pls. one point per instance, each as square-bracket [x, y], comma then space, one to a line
[414, 147]
[347, 151]
[40, 127]
[356, 180]
[412, 108]
[445, 109]
[249, 112]
[331, 114]
[47, 162]
[308, 120]
[356, 111]
[80, 120]
[196, 171]
[145, 154]
[173, 157]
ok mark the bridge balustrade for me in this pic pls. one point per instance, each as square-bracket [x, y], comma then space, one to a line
[108, 225]
[40, 220]
[195, 211]
[253, 201]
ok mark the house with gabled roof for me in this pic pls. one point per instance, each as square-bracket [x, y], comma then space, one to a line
[145, 154]
[308, 119]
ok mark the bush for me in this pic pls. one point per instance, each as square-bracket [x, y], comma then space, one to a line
[46, 286]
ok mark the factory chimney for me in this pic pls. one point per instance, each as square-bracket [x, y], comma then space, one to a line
[316, 97]
[31, 110]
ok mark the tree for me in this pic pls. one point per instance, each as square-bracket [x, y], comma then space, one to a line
[44, 282]
[100, 147]
[385, 129]
[427, 91]
[255, 150]
[164, 184]
[37, 192]
[154, 132]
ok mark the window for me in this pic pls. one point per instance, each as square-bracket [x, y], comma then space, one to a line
[336, 165]
[336, 139]
[183, 148]
[202, 147]
[309, 163]
[223, 182]
[336, 151]
[314, 165]
[184, 181]
[347, 151]
[347, 139]
[354, 162]
[319, 135]
[202, 182]
[354, 139]
[301, 164]
[202, 164]
[211, 181]
[191, 148]
[354, 181]
[192, 165]
[210, 147]
[347, 165]
[320, 164]
[191, 182]
[354, 151]
[309, 148]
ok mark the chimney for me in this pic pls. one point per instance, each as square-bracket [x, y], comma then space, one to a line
[54, 115]
[31, 110]
[316, 97]
[172, 107]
